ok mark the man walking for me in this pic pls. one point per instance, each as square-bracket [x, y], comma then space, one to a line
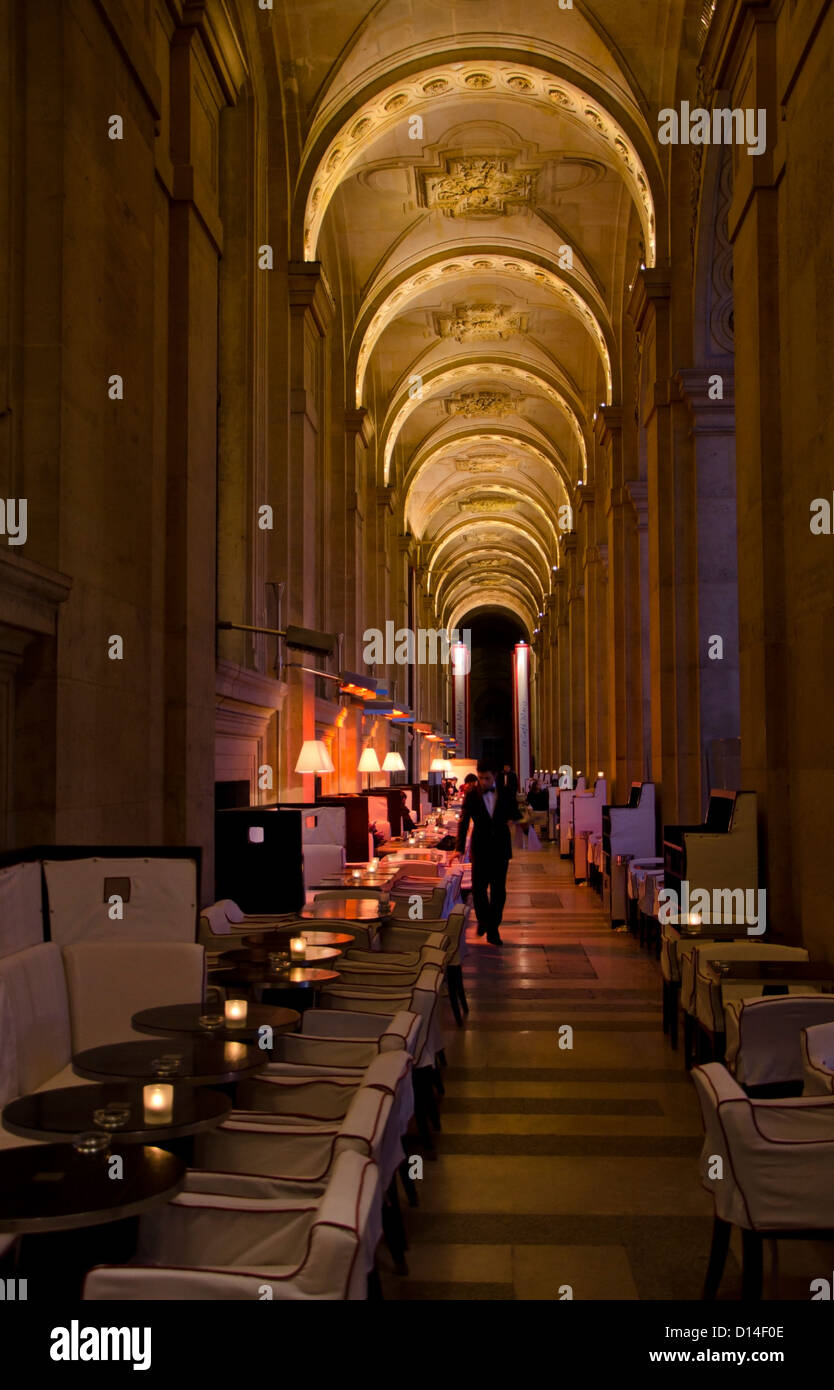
[490, 809]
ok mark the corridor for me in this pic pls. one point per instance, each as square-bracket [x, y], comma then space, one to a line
[561, 1167]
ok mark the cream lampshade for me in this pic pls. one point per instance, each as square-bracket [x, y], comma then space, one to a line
[368, 762]
[314, 757]
[438, 765]
[393, 763]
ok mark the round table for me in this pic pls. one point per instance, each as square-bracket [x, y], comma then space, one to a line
[60, 1114]
[347, 910]
[278, 941]
[255, 955]
[254, 972]
[205, 1061]
[50, 1187]
[185, 1018]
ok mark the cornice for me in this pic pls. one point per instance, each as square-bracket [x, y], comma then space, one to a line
[30, 593]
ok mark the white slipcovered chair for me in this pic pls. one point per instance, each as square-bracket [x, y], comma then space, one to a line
[817, 1048]
[239, 1237]
[38, 1013]
[258, 1142]
[768, 1165]
[336, 1038]
[763, 1039]
[421, 998]
[109, 981]
[223, 923]
[709, 1002]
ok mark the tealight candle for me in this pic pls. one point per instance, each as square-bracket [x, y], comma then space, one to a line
[298, 948]
[374, 865]
[158, 1101]
[236, 1011]
[357, 874]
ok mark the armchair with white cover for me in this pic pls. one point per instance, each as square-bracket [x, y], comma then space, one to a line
[240, 1237]
[768, 1165]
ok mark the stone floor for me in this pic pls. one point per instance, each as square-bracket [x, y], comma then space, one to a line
[563, 1166]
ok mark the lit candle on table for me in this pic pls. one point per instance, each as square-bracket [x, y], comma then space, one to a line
[298, 948]
[234, 1052]
[236, 1011]
[158, 1101]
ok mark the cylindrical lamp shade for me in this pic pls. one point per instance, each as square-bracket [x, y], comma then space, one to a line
[393, 763]
[314, 757]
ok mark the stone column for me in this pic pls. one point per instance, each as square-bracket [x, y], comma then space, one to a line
[713, 434]
[311, 313]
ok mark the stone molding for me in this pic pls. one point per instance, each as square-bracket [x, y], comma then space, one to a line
[30, 594]
[247, 687]
[309, 290]
[708, 416]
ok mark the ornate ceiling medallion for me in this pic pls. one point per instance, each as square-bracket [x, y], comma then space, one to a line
[480, 323]
[487, 504]
[471, 404]
[481, 186]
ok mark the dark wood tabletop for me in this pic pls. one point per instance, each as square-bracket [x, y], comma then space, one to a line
[788, 970]
[346, 910]
[204, 1061]
[256, 955]
[253, 972]
[278, 941]
[58, 1115]
[185, 1018]
[50, 1187]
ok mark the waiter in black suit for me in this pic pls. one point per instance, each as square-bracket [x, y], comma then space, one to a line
[508, 779]
[490, 809]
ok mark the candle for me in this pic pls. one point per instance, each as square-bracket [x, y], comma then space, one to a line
[298, 948]
[357, 874]
[374, 865]
[158, 1101]
[234, 1052]
[236, 1011]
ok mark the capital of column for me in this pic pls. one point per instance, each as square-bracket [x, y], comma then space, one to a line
[638, 492]
[385, 498]
[583, 496]
[359, 422]
[609, 420]
[710, 415]
[650, 288]
[309, 291]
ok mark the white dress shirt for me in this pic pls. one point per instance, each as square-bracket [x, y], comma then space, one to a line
[490, 799]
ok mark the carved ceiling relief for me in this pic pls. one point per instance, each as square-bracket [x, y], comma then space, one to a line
[487, 504]
[481, 186]
[474, 403]
[480, 323]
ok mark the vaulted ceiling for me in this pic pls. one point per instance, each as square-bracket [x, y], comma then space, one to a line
[481, 180]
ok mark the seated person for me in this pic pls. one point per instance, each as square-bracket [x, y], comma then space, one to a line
[537, 798]
[408, 825]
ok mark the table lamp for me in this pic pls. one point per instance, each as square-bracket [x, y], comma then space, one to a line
[314, 757]
[369, 762]
[393, 762]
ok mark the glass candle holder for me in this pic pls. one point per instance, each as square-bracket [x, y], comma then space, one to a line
[158, 1104]
[114, 1115]
[166, 1065]
[357, 875]
[211, 1021]
[236, 1011]
[298, 949]
[93, 1144]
